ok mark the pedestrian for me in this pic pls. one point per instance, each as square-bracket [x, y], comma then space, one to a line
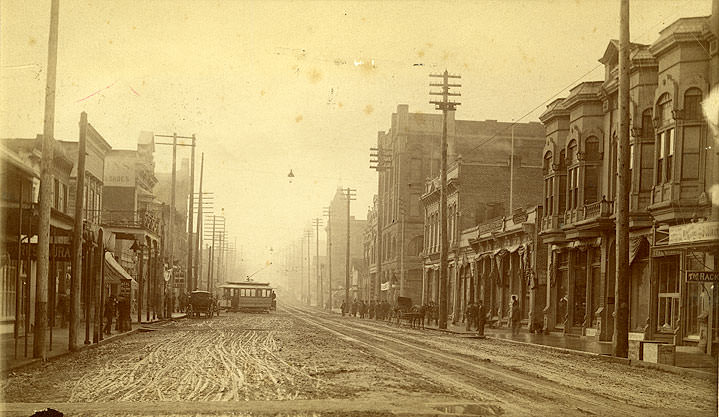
[109, 313]
[363, 309]
[481, 318]
[515, 315]
[354, 308]
[63, 307]
[469, 316]
[343, 307]
[123, 308]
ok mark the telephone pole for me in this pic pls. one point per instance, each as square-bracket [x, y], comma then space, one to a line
[308, 235]
[171, 234]
[620, 341]
[189, 275]
[76, 277]
[317, 222]
[350, 194]
[43, 234]
[328, 213]
[380, 160]
[446, 106]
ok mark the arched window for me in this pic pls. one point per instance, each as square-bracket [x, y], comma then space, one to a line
[591, 149]
[562, 183]
[692, 104]
[571, 153]
[664, 140]
[573, 174]
[664, 109]
[547, 163]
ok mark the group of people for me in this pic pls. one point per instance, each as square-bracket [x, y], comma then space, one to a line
[379, 310]
[475, 314]
[117, 309]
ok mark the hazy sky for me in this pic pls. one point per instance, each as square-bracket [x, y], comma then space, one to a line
[273, 86]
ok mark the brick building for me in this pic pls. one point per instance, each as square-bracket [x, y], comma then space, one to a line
[478, 189]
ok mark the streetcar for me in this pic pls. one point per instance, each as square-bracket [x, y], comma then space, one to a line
[248, 296]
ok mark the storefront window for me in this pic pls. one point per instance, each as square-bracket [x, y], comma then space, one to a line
[668, 282]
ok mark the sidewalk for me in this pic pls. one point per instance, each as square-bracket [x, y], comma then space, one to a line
[686, 357]
[59, 347]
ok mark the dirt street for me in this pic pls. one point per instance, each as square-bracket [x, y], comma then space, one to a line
[319, 364]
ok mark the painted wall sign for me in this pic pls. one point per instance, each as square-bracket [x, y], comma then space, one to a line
[119, 172]
[702, 276]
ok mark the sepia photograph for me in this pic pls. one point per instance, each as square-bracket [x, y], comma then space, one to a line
[304, 208]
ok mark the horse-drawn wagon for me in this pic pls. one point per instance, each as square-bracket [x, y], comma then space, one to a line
[411, 314]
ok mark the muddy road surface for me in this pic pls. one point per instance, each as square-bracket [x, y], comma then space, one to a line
[298, 361]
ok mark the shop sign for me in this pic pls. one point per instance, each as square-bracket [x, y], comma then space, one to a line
[693, 232]
[702, 276]
[58, 251]
[125, 285]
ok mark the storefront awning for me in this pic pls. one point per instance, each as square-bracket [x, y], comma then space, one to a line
[114, 273]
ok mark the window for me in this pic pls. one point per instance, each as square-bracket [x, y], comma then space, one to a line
[664, 107]
[591, 184]
[690, 153]
[692, 104]
[668, 281]
[591, 148]
[548, 189]
[647, 124]
[547, 163]
[548, 196]
[665, 155]
[56, 194]
[562, 183]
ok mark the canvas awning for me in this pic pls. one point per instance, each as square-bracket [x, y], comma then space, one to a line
[114, 273]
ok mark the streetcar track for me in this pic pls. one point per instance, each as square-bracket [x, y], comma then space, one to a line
[422, 368]
[541, 386]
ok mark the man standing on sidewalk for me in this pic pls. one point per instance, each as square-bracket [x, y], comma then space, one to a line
[481, 318]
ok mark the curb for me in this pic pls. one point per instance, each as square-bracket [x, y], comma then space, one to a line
[104, 341]
[606, 358]
[678, 370]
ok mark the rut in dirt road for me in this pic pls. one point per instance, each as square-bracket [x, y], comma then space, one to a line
[207, 360]
[525, 372]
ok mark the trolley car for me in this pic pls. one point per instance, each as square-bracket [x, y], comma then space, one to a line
[248, 296]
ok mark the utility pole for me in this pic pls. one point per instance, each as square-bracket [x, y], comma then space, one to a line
[317, 222]
[402, 212]
[511, 174]
[380, 161]
[198, 245]
[446, 106]
[350, 194]
[171, 235]
[46, 193]
[308, 235]
[189, 275]
[620, 341]
[328, 213]
[76, 276]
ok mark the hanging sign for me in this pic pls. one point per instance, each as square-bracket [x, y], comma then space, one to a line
[702, 276]
[385, 286]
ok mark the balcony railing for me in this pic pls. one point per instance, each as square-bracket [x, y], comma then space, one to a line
[601, 208]
[140, 219]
